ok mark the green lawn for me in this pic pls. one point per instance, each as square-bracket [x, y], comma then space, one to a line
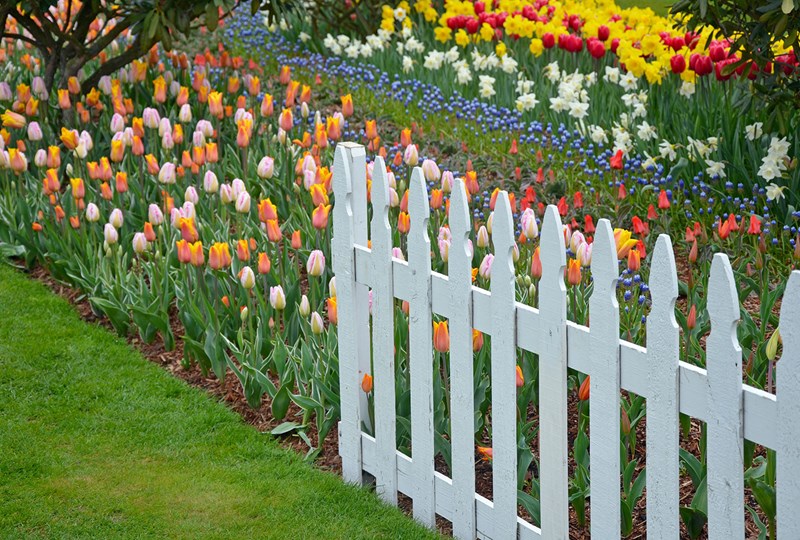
[96, 442]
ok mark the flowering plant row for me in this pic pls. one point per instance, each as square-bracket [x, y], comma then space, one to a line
[198, 191]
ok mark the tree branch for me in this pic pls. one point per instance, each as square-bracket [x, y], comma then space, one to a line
[113, 64]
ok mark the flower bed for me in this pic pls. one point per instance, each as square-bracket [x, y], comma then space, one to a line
[197, 192]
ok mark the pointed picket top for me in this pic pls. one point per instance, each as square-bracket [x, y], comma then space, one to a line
[342, 190]
[723, 302]
[604, 424]
[459, 220]
[553, 447]
[788, 382]
[725, 406]
[380, 194]
[663, 400]
[553, 254]
[419, 207]
[605, 267]
[503, 229]
[462, 395]
[663, 281]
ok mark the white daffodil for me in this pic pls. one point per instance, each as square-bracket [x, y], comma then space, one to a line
[775, 192]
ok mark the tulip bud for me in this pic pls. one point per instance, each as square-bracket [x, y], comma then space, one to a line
[317, 325]
[139, 243]
[366, 383]
[92, 213]
[247, 277]
[483, 237]
[305, 306]
[154, 215]
[411, 155]
[277, 298]
[185, 114]
[243, 203]
[316, 263]
[210, 182]
[244, 313]
[191, 195]
[40, 158]
[332, 287]
[34, 131]
[110, 234]
[116, 218]
[431, 170]
[772, 344]
[266, 167]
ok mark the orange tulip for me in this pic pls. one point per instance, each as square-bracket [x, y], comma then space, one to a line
[536, 264]
[149, 233]
[583, 391]
[441, 336]
[403, 222]
[371, 129]
[69, 138]
[574, 272]
[634, 260]
[366, 383]
[242, 250]
[297, 243]
[486, 453]
[319, 217]
[334, 130]
[196, 254]
[215, 104]
[273, 230]
[264, 264]
[53, 157]
[267, 210]
[437, 198]
[117, 151]
[347, 105]
[188, 229]
[405, 137]
[477, 340]
[160, 90]
[520, 378]
[333, 312]
[63, 99]
[219, 256]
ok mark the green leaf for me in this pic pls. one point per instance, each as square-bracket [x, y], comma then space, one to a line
[694, 521]
[212, 17]
[284, 428]
[280, 403]
[532, 505]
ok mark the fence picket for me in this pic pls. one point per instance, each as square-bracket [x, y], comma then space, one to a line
[348, 160]
[663, 342]
[383, 336]
[462, 396]
[553, 449]
[725, 430]
[420, 350]
[504, 363]
[788, 381]
[604, 420]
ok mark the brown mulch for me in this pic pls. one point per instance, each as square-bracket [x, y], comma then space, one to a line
[230, 392]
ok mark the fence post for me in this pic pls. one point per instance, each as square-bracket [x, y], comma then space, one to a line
[725, 429]
[504, 363]
[663, 398]
[383, 336]
[462, 397]
[553, 479]
[349, 227]
[420, 335]
[788, 382]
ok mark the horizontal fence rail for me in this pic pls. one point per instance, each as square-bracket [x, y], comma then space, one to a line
[733, 411]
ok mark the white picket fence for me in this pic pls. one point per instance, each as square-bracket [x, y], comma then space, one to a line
[732, 410]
